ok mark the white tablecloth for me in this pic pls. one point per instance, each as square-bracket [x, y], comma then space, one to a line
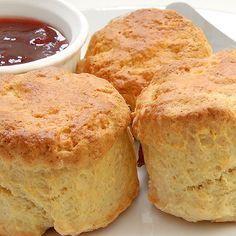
[222, 5]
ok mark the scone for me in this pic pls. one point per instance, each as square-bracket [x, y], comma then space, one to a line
[66, 155]
[186, 122]
[130, 49]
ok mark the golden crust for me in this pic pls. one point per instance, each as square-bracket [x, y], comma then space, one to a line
[2, 229]
[53, 116]
[190, 90]
[186, 122]
[130, 49]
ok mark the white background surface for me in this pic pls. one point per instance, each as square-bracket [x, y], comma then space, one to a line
[222, 5]
[225, 22]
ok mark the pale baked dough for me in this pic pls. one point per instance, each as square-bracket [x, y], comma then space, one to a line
[66, 156]
[186, 122]
[130, 49]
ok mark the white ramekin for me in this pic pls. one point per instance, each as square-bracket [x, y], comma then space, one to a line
[57, 13]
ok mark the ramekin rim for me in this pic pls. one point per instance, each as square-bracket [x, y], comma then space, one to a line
[60, 56]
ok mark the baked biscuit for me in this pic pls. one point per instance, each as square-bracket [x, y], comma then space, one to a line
[66, 156]
[186, 122]
[130, 49]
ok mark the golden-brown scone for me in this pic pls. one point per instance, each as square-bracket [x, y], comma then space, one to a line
[130, 49]
[186, 122]
[66, 155]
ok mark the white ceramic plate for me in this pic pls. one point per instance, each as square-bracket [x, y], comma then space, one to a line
[142, 219]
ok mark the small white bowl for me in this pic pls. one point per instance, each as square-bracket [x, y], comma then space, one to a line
[57, 13]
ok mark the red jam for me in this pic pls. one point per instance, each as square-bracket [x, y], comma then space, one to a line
[26, 40]
[140, 161]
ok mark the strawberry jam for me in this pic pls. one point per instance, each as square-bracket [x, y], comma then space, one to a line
[25, 40]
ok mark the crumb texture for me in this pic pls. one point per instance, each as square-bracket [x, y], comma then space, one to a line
[72, 200]
[66, 154]
[186, 122]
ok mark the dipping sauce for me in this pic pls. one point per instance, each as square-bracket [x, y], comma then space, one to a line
[25, 40]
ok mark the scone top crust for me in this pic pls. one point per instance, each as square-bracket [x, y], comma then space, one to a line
[130, 49]
[190, 90]
[55, 117]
